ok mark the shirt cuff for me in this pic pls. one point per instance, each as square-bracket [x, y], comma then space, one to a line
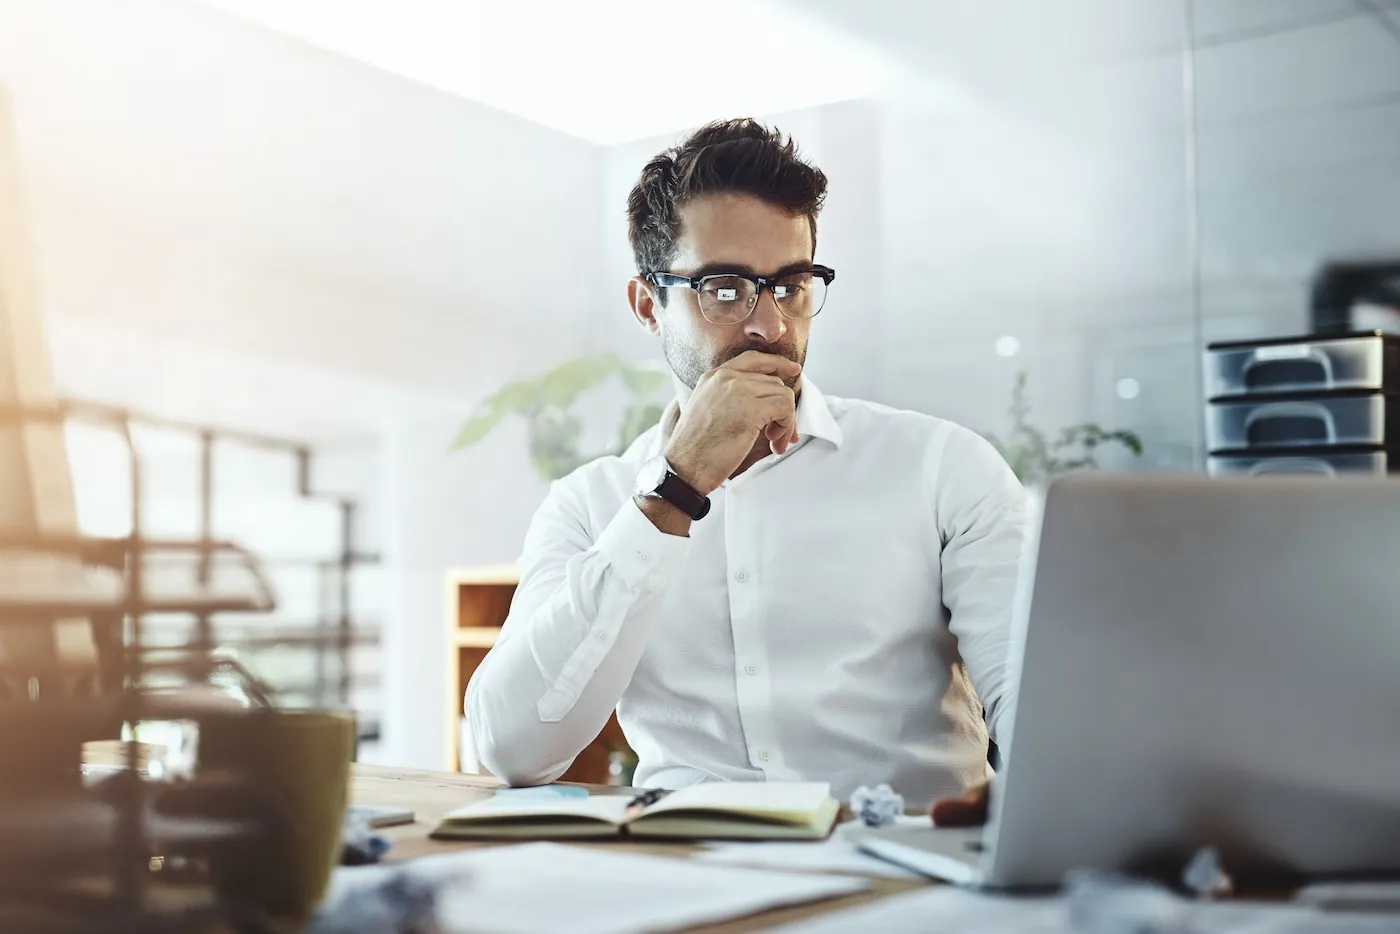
[639, 553]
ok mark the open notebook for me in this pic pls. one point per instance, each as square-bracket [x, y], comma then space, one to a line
[719, 810]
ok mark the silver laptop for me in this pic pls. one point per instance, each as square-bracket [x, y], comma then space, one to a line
[1203, 662]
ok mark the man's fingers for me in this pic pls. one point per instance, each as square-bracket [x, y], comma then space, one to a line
[959, 812]
[762, 386]
[781, 433]
[756, 361]
[970, 810]
[779, 414]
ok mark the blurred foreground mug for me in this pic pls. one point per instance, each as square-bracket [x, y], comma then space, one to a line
[298, 761]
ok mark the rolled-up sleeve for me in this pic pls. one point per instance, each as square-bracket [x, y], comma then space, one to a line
[577, 627]
[980, 512]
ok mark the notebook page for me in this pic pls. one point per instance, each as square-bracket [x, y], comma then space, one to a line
[609, 808]
[747, 798]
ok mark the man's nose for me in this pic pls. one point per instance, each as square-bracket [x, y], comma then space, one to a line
[767, 322]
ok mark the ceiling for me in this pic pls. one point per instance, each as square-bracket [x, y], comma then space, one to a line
[615, 70]
[1022, 54]
[606, 71]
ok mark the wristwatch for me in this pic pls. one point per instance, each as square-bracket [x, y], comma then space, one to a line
[656, 478]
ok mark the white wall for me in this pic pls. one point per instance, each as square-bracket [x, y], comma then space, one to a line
[1299, 143]
[1059, 220]
[236, 228]
[222, 183]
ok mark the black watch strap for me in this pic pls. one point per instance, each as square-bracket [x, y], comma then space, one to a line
[683, 496]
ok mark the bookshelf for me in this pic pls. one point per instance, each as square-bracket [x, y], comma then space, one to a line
[477, 602]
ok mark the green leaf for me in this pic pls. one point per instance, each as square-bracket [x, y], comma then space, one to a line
[515, 398]
[563, 384]
[1022, 464]
[1068, 437]
[544, 401]
[1130, 440]
[635, 422]
[1036, 442]
[476, 428]
[642, 380]
[554, 436]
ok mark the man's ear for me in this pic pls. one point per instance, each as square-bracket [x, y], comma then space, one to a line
[643, 302]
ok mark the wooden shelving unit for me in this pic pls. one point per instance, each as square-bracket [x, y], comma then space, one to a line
[477, 637]
[477, 602]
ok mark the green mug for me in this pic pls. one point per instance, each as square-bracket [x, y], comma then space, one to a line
[298, 762]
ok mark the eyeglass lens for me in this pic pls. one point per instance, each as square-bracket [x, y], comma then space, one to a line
[730, 299]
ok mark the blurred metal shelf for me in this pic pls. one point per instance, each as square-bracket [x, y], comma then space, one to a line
[53, 576]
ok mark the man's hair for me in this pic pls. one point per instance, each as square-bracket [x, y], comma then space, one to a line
[725, 157]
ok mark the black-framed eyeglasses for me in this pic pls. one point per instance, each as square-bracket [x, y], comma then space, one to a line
[729, 298]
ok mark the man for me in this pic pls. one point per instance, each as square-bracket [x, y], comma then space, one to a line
[773, 584]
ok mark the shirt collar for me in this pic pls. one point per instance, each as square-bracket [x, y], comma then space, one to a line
[814, 418]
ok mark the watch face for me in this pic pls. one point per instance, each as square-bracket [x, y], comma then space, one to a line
[651, 475]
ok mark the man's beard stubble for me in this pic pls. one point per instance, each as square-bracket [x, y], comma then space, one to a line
[689, 366]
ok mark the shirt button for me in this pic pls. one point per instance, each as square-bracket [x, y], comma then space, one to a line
[741, 577]
[602, 637]
[736, 491]
[643, 556]
[751, 669]
[763, 754]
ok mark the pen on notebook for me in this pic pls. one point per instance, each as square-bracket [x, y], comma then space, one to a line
[648, 798]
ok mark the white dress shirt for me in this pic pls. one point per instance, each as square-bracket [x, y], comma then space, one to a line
[835, 617]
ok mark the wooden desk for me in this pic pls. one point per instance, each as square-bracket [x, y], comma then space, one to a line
[430, 794]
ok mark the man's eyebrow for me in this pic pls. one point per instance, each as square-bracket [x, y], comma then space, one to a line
[743, 269]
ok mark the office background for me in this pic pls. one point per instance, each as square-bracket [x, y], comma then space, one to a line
[271, 218]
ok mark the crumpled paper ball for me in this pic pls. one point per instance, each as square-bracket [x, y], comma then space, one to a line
[1099, 902]
[1205, 876]
[359, 844]
[373, 901]
[878, 806]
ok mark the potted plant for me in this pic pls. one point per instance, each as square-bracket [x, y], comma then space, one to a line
[1035, 458]
[546, 403]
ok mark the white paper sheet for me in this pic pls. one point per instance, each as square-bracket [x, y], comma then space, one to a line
[545, 888]
[945, 910]
[941, 910]
[838, 853]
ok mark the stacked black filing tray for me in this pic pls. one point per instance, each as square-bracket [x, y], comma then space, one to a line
[1321, 405]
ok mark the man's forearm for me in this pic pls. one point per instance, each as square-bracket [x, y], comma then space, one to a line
[526, 731]
[578, 627]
